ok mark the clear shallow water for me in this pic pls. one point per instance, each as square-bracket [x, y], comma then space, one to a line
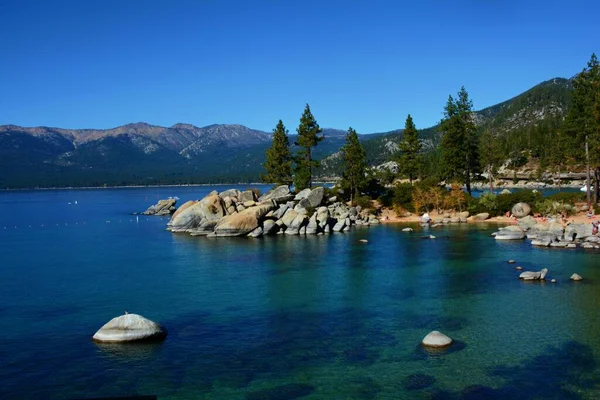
[282, 317]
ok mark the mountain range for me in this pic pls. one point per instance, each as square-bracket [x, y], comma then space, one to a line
[143, 154]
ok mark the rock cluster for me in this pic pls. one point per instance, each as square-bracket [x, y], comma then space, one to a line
[237, 213]
[162, 208]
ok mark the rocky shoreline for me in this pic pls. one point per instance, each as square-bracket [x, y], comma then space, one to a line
[279, 211]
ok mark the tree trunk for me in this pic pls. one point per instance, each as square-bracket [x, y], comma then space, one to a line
[309, 155]
[468, 180]
[596, 185]
[558, 176]
[587, 168]
[491, 180]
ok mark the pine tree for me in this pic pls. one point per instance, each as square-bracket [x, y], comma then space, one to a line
[459, 140]
[308, 137]
[355, 165]
[278, 163]
[490, 155]
[581, 121]
[411, 160]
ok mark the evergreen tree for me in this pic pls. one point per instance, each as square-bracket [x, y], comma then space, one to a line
[581, 121]
[278, 163]
[411, 160]
[490, 155]
[355, 165]
[308, 137]
[459, 140]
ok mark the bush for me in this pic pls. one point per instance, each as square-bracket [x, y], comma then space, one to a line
[403, 196]
[365, 202]
[505, 202]
[549, 207]
[567, 197]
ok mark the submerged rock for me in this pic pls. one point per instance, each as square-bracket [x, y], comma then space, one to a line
[407, 230]
[436, 339]
[130, 328]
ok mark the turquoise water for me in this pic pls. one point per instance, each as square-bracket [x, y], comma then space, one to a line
[318, 317]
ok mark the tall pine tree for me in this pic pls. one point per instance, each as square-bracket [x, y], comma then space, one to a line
[308, 137]
[278, 163]
[411, 160]
[459, 140]
[355, 165]
[490, 155]
[582, 121]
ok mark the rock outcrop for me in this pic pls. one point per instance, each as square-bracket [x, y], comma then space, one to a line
[130, 328]
[510, 233]
[235, 213]
[162, 208]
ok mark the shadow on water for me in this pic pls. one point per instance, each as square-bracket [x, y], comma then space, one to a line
[560, 373]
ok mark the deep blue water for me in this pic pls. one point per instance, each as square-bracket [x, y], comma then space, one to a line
[317, 317]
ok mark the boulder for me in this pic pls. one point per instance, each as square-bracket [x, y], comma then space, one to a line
[288, 217]
[315, 197]
[436, 339]
[280, 211]
[481, 216]
[521, 210]
[298, 222]
[576, 277]
[256, 233]
[243, 222]
[578, 231]
[407, 230]
[339, 225]
[269, 227]
[464, 214]
[313, 225]
[193, 215]
[130, 328]
[534, 275]
[247, 196]
[162, 208]
[510, 233]
[230, 193]
[302, 194]
[280, 194]
[527, 222]
[302, 206]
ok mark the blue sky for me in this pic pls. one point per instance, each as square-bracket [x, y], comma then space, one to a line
[365, 64]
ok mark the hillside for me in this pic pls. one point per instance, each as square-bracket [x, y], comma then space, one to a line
[142, 154]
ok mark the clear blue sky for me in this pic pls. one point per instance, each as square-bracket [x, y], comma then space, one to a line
[365, 64]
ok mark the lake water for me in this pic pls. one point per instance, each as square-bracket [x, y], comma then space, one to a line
[317, 317]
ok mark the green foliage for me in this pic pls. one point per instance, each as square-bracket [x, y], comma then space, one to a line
[365, 202]
[410, 147]
[488, 201]
[567, 197]
[459, 140]
[548, 207]
[490, 154]
[402, 196]
[308, 137]
[355, 165]
[278, 162]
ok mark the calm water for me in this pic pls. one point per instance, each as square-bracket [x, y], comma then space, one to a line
[282, 317]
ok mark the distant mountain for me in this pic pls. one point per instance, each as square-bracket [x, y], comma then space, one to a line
[145, 154]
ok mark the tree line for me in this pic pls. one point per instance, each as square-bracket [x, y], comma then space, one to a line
[559, 139]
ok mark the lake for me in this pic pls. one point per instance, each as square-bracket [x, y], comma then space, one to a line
[316, 317]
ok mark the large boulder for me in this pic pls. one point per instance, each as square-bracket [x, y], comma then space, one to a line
[510, 233]
[534, 275]
[521, 210]
[280, 194]
[315, 197]
[230, 193]
[243, 222]
[578, 231]
[192, 216]
[302, 194]
[436, 339]
[247, 196]
[527, 222]
[130, 328]
[481, 216]
[162, 208]
[288, 217]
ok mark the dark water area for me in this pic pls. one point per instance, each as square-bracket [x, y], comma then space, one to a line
[316, 317]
